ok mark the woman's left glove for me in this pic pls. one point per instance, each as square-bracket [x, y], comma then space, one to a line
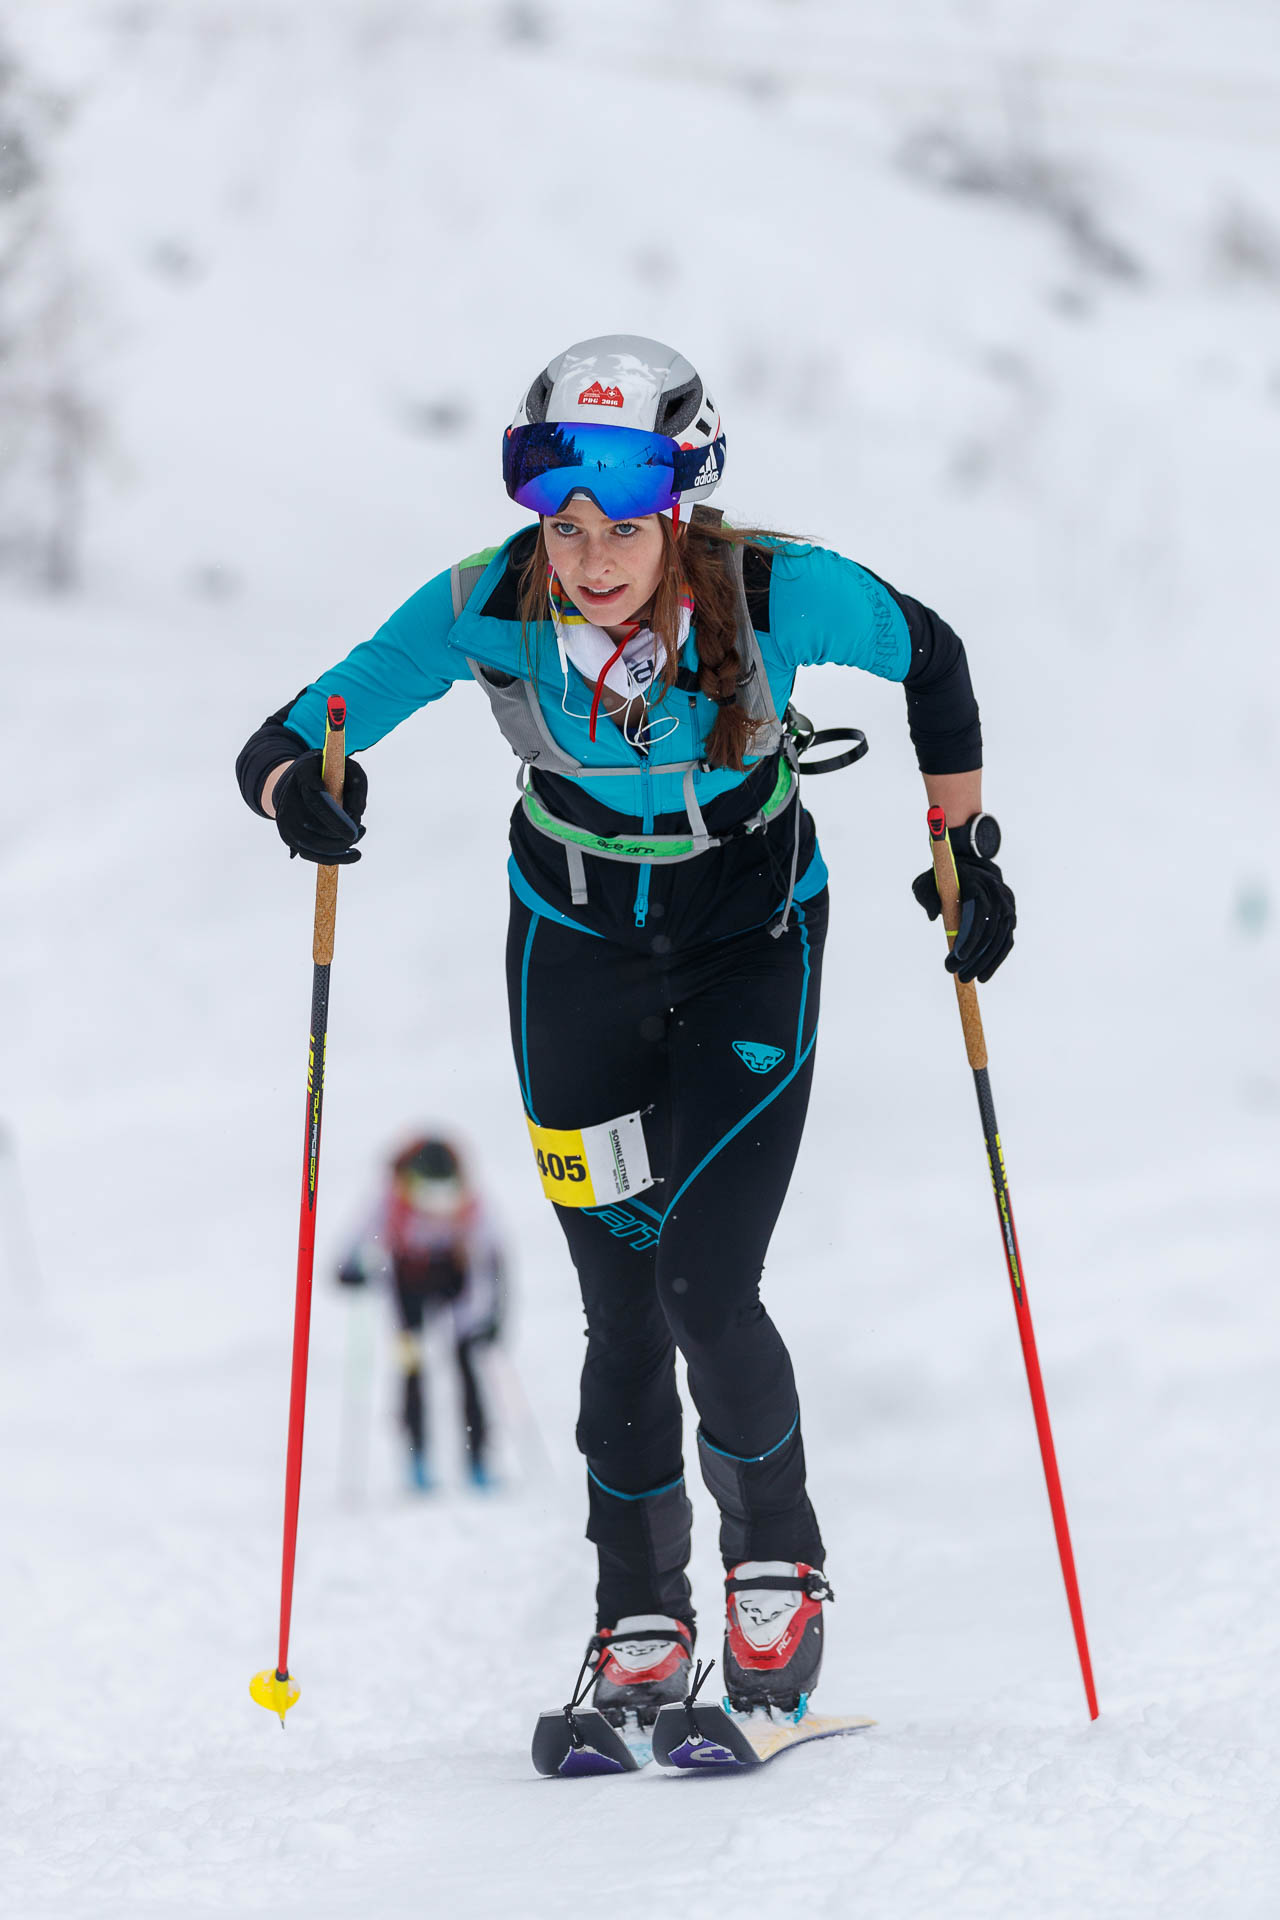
[312, 824]
[988, 911]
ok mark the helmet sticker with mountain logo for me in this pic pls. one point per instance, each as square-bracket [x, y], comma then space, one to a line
[759, 1058]
[597, 396]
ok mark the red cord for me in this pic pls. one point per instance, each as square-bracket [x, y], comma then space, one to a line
[615, 655]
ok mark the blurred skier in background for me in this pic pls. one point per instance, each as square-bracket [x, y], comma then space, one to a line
[664, 959]
[428, 1238]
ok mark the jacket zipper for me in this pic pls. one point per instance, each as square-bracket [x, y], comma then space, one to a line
[646, 867]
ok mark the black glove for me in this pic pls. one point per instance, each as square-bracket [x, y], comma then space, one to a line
[988, 911]
[351, 1274]
[312, 824]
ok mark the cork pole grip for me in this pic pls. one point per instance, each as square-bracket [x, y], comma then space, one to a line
[944, 872]
[335, 766]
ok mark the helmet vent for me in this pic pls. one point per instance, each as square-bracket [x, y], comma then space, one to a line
[535, 403]
[678, 408]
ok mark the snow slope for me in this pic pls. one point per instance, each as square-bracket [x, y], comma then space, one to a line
[328, 244]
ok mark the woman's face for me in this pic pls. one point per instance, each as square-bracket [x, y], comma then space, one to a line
[610, 569]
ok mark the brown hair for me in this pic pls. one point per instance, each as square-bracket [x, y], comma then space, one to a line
[695, 561]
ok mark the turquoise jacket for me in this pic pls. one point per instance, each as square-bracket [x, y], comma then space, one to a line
[822, 608]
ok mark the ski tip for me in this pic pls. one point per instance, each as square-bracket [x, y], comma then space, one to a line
[275, 1691]
[583, 1744]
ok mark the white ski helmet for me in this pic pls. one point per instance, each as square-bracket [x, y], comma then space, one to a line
[644, 393]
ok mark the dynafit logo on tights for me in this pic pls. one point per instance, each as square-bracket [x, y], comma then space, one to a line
[598, 396]
[760, 1059]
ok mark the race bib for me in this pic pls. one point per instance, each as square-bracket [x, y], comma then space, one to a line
[592, 1166]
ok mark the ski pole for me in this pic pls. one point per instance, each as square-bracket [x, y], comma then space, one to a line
[275, 1688]
[944, 868]
[516, 1411]
[357, 1370]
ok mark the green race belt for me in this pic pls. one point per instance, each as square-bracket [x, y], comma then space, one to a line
[659, 846]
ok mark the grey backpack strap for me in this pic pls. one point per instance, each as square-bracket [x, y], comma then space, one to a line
[780, 926]
[464, 578]
[577, 874]
[701, 838]
[514, 701]
[755, 695]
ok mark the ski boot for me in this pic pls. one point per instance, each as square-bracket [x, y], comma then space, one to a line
[773, 1635]
[418, 1476]
[641, 1664]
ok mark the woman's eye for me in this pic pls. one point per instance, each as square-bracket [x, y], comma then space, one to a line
[626, 528]
[563, 528]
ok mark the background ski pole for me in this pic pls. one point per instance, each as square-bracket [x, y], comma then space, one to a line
[275, 1688]
[357, 1399]
[944, 868]
[518, 1418]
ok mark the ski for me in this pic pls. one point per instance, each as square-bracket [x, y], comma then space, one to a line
[705, 1739]
[576, 1742]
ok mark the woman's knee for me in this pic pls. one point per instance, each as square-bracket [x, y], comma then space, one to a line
[706, 1312]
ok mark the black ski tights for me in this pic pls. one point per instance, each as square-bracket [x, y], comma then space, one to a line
[714, 1046]
[411, 1310]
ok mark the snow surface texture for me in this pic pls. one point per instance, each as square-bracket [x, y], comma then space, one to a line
[971, 284]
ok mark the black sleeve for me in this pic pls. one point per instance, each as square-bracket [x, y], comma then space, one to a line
[272, 743]
[942, 713]
[941, 710]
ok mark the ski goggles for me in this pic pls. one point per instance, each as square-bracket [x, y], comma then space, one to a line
[425, 1195]
[626, 471]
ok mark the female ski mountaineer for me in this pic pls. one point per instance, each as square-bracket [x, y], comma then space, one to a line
[664, 958]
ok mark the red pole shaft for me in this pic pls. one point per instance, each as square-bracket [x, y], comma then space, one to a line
[322, 954]
[1035, 1383]
[976, 1048]
[302, 1304]
[1057, 1505]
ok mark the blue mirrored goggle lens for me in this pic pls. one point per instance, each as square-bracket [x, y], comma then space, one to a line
[625, 471]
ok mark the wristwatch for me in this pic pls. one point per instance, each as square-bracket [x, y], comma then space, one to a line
[980, 836]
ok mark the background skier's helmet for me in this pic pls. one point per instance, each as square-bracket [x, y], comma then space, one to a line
[623, 420]
[428, 1174]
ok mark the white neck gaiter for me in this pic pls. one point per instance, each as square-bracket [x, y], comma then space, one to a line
[639, 659]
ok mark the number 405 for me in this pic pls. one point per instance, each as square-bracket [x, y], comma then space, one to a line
[552, 1167]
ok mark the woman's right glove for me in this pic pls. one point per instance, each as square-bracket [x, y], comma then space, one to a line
[311, 823]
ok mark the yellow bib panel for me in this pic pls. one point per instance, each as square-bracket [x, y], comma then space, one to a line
[592, 1166]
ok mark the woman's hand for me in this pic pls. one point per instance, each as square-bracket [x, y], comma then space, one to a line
[308, 821]
[988, 911]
